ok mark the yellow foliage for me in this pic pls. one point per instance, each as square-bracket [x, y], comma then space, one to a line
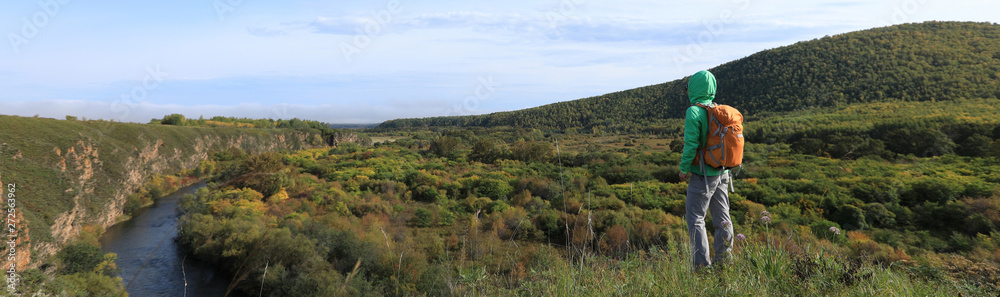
[212, 123]
[108, 264]
[672, 220]
[857, 236]
[278, 197]
[255, 207]
[217, 206]
[366, 173]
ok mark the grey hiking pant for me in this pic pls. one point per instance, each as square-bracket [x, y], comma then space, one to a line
[714, 197]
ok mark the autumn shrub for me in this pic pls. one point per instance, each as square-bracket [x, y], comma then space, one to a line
[541, 187]
[367, 203]
[522, 198]
[615, 242]
[473, 204]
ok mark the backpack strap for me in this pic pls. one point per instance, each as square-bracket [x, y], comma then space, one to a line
[721, 132]
[704, 149]
[708, 123]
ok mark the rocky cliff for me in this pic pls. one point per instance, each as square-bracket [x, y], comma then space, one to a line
[72, 175]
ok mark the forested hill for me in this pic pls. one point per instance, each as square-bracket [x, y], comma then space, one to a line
[933, 61]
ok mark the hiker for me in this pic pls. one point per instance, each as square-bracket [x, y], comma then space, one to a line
[707, 186]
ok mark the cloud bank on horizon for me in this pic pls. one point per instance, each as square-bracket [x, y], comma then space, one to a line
[347, 62]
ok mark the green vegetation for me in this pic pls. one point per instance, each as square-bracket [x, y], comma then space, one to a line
[966, 127]
[323, 132]
[595, 219]
[80, 269]
[219, 121]
[933, 61]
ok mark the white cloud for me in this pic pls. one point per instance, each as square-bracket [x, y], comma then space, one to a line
[266, 31]
[143, 112]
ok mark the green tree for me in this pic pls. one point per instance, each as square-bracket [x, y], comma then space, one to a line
[922, 142]
[976, 145]
[263, 173]
[445, 146]
[446, 217]
[810, 146]
[532, 151]
[174, 119]
[92, 284]
[423, 217]
[878, 216]
[80, 257]
[851, 217]
[493, 188]
[933, 189]
[677, 145]
[488, 150]
[428, 194]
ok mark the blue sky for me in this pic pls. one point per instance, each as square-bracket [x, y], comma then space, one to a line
[367, 62]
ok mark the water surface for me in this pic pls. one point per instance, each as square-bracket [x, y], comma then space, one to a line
[149, 237]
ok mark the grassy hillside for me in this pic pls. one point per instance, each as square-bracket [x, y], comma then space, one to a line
[73, 174]
[934, 61]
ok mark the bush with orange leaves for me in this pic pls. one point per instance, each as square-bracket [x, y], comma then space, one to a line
[615, 242]
[863, 248]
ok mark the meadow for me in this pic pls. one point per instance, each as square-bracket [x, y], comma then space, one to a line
[510, 213]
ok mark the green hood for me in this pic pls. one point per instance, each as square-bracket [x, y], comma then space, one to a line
[701, 87]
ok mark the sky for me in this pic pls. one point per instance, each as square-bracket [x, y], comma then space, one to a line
[371, 61]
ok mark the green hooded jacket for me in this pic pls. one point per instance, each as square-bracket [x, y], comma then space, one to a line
[701, 89]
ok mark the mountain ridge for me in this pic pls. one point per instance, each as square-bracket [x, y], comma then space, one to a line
[931, 61]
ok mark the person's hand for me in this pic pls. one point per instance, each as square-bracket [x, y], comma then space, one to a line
[685, 176]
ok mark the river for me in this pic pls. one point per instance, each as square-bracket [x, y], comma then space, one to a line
[149, 237]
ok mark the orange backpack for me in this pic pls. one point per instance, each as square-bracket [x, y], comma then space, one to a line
[724, 144]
